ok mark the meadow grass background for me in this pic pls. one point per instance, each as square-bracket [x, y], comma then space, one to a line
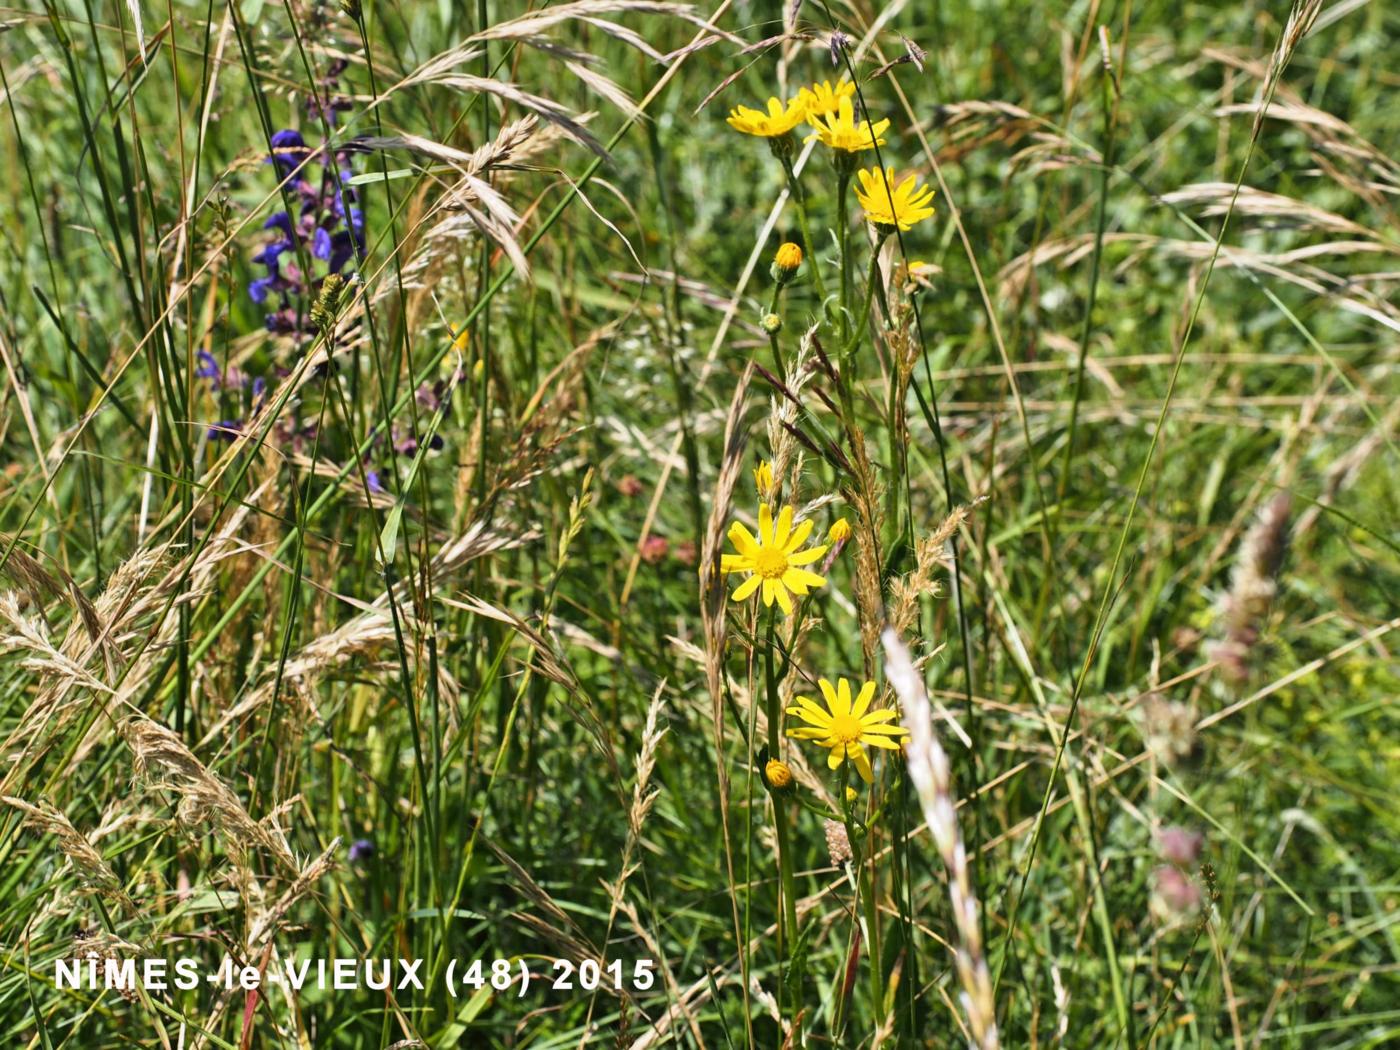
[230, 654]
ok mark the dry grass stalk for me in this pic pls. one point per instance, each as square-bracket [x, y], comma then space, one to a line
[714, 621]
[162, 760]
[643, 798]
[28, 635]
[865, 495]
[1242, 609]
[87, 863]
[906, 591]
[932, 776]
[265, 923]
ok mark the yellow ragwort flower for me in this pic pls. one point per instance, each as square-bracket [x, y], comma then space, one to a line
[841, 131]
[840, 531]
[888, 204]
[779, 120]
[787, 259]
[773, 558]
[822, 98]
[777, 774]
[847, 728]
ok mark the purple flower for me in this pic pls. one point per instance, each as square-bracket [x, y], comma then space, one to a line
[362, 850]
[283, 321]
[287, 138]
[271, 254]
[279, 220]
[376, 484]
[427, 397]
[225, 430]
[208, 367]
[342, 251]
[257, 291]
[322, 216]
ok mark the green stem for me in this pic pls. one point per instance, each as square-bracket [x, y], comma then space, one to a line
[843, 234]
[778, 361]
[871, 282]
[787, 922]
[865, 890]
[799, 200]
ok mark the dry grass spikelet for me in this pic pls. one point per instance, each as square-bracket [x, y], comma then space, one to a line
[87, 863]
[838, 842]
[865, 498]
[906, 591]
[782, 416]
[931, 774]
[162, 760]
[1241, 611]
[28, 635]
[643, 798]
[265, 923]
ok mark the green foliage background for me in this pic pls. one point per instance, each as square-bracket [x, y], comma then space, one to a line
[485, 739]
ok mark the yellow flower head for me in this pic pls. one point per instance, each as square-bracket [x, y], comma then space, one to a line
[773, 559]
[847, 728]
[852, 794]
[887, 204]
[777, 775]
[786, 261]
[779, 120]
[841, 131]
[763, 478]
[822, 98]
[840, 531]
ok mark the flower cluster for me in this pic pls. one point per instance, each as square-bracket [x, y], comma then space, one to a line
[774, 561]
[325, 224]
[830, 111]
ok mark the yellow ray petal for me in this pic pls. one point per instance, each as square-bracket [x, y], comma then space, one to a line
[862, 705]
[870, 730]
[747, 588]
[801, 578]
[880, 741]
[861, 761]
[797, 537]
[784, 526]
[743, 539]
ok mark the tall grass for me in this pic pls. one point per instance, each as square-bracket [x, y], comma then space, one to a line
[390, 393]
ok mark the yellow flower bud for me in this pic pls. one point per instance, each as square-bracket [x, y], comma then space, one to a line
[771, 324]
[840, 531]
[777, 775]
[763, 478]
[852, 795]
[786, 261]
